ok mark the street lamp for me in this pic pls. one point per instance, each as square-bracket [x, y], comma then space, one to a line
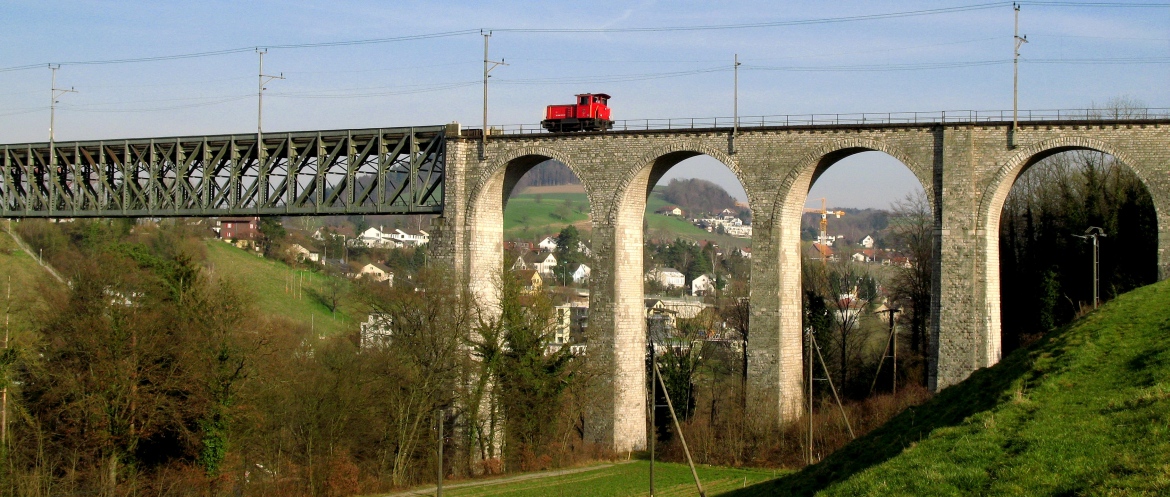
[1093, 233]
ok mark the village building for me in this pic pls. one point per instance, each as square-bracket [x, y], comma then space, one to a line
[375, 331]
[300, 253]
[670, 210]
[544, 263]
[580, 274]
[378, 272]
[548, 244]
[408, 236]
[530, 280]
[703, 284]
[239, 229]
[668, 277]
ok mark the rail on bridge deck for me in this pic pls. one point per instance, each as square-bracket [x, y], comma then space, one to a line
[359, 171]
[1030, 116]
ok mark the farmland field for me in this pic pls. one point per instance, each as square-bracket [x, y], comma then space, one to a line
[532, 216]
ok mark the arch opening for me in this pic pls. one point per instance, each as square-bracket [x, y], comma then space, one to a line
[1044, 266]
[856, 241]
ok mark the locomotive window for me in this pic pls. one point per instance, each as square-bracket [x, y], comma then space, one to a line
[584, 100]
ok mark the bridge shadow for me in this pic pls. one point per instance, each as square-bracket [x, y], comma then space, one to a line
[982, 391]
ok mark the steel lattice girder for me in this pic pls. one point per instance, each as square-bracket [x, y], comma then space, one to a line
[362, 171]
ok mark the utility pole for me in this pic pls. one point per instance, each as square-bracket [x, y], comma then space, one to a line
[4, 393]
[653, 421]
[54, 93]
[735, 106]
[439, 481]
[809, 362]
[1019, 41]
[260, 104]
[488, 65]
[1093, 233]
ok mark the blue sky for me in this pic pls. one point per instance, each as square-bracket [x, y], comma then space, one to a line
[1076, 56]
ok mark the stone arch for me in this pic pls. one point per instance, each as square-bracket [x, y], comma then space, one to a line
[485, 207]
[680, 151]
[818, 160]
[990, 208]
[996, 191]
[503, 162]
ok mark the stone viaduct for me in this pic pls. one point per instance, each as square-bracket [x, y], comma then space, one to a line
[967, 170]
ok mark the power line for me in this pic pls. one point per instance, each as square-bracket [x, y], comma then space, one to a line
[706, 27]
[333, 94]
[612, 79]
[370, 41]
[157, 109]
[772, 24]
[1097, 4]
[881, 67]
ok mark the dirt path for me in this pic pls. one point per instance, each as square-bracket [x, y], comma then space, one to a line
[500, 481]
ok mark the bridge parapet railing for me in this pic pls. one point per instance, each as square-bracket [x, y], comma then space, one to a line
[850, 119]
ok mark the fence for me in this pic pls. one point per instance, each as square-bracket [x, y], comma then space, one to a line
[933, 117]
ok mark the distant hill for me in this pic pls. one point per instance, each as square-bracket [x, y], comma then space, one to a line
[546, 210]
[1084, 411]
[697, 196]
[548, 173]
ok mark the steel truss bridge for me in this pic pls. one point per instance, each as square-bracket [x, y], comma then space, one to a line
[360, 171]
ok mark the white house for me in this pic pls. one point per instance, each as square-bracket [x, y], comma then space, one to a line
[668, 277]
[377, 272]
[867, 242]
[570, 319]
[375, 238]
[375, 331]
[543, 263]
[301, 253]
[738, 231]
[581, 274]
[745, 252]
[670, 210]
[703, 284]
[407, 236]
[548, 244]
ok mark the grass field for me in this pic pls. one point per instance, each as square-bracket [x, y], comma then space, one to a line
[527, 219]
[622, 479]
[266, 280]
[1084, 411]
[26, 277]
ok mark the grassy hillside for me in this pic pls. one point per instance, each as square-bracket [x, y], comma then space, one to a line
[525, 218]
[26, 277]
[1084, 411]
[267, 280]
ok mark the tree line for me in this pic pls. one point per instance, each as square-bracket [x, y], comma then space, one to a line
[151, 373]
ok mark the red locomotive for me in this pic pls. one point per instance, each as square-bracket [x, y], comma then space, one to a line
[590, 113]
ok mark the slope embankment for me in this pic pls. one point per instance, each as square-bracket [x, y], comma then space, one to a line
[1084, 411]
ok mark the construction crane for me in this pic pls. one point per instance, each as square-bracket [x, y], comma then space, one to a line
[824, 212]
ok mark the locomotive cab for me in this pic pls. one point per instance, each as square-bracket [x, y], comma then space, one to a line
[589, 113]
